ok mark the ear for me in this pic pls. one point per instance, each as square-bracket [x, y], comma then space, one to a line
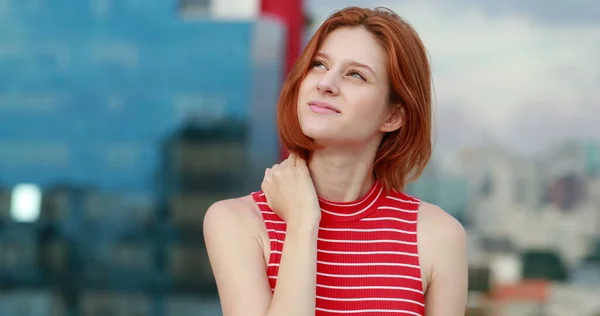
[395, 119]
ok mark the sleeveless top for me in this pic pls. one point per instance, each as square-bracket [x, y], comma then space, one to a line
[367, 258]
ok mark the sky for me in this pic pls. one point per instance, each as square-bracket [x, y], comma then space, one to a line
[520, 74]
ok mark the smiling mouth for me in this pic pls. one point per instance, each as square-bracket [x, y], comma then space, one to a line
[323, 108]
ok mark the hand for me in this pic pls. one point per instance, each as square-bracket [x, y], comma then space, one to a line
[291, 193]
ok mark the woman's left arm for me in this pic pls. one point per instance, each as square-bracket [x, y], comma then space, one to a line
[448, 283]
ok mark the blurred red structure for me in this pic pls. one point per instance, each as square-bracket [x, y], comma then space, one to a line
[530, 291]
[527, 297]
[291, 14]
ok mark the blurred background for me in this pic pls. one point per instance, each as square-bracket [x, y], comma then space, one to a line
[121, 121]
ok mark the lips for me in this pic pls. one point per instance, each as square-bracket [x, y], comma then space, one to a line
[323, 106]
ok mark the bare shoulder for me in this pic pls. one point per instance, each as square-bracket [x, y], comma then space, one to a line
[235, 219]
[440, 237]
[439, 226]
[236, 213]
[235, 247]
[443, 255]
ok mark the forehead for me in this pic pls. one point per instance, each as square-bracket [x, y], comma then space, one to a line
[355, 44]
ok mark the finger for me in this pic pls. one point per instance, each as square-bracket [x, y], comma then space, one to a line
[273, 171]
[301, 162]
[284, 163]
[293, 159]
[266, 180]
[265, 189]
[287, 159]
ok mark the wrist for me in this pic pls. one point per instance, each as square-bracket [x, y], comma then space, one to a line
[305, 225]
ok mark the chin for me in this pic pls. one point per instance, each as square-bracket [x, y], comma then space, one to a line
[325, 136]
[328, 137]
[318, 132]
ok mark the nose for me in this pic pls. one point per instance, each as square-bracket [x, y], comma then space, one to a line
[328, 84]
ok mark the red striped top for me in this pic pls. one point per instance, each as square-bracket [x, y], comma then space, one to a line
[367, 259]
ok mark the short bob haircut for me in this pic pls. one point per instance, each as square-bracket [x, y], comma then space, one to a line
[403, 154]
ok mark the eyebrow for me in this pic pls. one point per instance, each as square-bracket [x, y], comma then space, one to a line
[352, 63]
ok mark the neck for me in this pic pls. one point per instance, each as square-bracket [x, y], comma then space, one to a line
[342, 175]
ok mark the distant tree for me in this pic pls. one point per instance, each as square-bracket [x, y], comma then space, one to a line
[479, 279]
[594, 254]
[546, 265]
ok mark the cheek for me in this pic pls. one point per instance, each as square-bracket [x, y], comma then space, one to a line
[307, 84]
[370, 104]
[371, 111]
[304, 91]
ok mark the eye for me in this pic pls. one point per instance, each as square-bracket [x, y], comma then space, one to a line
[357, 75]
[319, 64]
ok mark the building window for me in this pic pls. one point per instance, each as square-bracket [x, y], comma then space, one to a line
[194, 8]
[487, 186]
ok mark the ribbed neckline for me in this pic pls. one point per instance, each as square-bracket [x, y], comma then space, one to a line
[354, 210]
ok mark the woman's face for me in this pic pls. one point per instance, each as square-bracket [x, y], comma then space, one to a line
[343, 100]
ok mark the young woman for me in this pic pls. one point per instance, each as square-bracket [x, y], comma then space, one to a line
[331, 232]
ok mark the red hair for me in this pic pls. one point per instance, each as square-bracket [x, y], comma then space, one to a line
[404, 153]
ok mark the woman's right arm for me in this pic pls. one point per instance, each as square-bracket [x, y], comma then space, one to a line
[231, 234]
[238, 264]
